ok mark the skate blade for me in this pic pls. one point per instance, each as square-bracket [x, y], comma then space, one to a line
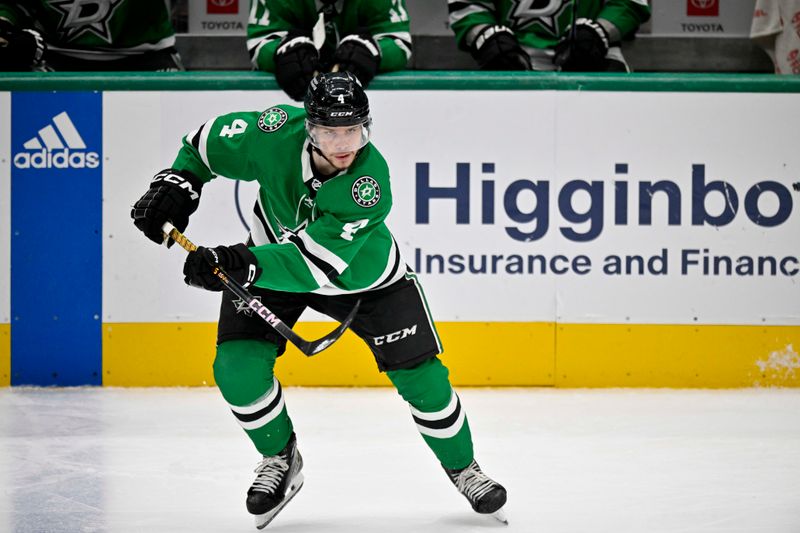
[500, 516]
[262, 520]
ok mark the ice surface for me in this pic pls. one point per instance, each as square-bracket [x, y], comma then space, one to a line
[174, 460]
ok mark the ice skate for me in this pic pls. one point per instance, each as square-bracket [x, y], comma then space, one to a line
[484, 495]
[278, 480]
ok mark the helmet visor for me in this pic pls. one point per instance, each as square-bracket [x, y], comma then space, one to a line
[339, 139]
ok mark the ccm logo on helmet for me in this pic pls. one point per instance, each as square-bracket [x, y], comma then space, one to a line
[341, 113]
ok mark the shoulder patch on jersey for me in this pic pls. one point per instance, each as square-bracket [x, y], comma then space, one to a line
[272, 119]
[366, 191]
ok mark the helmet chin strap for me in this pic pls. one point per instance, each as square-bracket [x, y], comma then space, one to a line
[323, 156]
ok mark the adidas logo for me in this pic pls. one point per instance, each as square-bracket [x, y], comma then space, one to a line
[58, 145]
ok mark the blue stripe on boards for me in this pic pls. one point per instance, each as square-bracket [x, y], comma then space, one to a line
[56, 238]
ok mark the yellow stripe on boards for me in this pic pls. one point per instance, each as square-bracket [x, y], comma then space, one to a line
[159, 355]
[5, 355]
[477, 353]
[612, 355]
[486, 354]
[499, 353]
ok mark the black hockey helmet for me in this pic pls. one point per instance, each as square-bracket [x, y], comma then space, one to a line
[336, 99]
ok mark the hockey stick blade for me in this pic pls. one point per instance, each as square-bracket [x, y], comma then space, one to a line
[309, 348]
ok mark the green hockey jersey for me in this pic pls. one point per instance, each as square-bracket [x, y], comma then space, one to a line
[541, 24]
[95, 29]
[311, 234]
[386, 20]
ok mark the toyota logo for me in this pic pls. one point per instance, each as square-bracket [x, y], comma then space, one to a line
[703, 4]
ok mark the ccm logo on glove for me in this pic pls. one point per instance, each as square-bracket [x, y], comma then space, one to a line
[173, 196]
[182, 183]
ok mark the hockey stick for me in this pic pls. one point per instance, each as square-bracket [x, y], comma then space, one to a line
[572, 32]
[307, 347]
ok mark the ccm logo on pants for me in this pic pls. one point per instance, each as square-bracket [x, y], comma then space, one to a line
[395, 336]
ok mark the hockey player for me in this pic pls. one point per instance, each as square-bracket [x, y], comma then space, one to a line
[86, 35]
[318, 240]
[568, 35]
[295, 39]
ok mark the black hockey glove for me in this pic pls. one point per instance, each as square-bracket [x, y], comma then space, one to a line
[20, 50]
[237, 261]
[587, 52]
[173, 196]
[359, 54]
[496, 48]
[296, 61]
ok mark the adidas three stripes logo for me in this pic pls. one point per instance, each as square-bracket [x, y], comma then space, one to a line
[51, 139]
[56, 145]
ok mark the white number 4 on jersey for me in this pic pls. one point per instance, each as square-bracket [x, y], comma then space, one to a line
[351, 227]
[237, 126]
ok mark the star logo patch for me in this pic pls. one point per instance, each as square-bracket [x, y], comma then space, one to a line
[547, 14]
[81, 16]
[366, 191]
[272, 119]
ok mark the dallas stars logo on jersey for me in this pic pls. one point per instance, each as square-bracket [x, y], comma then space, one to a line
[550, 15]
[80, 16]
[366, 191]
[272, 119]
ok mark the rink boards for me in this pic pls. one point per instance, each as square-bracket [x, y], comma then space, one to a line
[629, 237]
